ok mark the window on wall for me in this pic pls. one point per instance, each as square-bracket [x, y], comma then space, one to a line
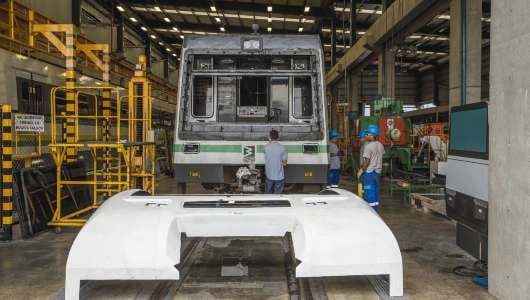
[202, 96]
[302, 97]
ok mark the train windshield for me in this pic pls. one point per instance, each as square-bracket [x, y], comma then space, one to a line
[243, 96]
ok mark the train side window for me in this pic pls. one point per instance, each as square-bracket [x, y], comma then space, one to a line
[202, 96]
[279, 108]
[302, 97]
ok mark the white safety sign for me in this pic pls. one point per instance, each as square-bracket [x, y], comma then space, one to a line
[29, 123]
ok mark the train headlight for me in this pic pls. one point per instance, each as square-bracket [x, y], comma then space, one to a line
[191, 148]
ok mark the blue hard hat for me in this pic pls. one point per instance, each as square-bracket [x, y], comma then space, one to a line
[362, 135]
[372, 129]
[333, 134]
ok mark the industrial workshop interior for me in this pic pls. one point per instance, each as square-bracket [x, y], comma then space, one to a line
[265, 149]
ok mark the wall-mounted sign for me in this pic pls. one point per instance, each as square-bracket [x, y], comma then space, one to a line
[29, 123]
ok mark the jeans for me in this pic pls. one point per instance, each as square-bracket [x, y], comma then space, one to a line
[371, 186]
[333, 177]
[273, 186]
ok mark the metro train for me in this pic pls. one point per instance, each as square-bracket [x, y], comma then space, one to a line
[233, 89]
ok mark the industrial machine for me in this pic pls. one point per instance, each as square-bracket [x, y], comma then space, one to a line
[233, 90]
[333, 233]
[467, 177]
[395, 133]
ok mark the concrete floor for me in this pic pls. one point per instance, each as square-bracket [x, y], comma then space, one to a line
[34, 269]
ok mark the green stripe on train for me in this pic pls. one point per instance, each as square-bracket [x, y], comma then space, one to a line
[237, 148]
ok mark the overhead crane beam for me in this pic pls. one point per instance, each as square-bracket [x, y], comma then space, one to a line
[402, 18]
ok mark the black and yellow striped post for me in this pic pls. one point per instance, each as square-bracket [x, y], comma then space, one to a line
[71, 105]
[107, 106]
[7, 173]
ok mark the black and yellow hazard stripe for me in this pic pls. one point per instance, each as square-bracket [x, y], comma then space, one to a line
[7, 173]
[70, 96]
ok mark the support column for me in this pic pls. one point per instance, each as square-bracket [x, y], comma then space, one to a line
[509, 166]
[465, 52]
[355, 91]
[147, 53]
[120, 27]
[386, 72]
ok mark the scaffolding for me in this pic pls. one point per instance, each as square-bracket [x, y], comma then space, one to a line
[118, 162]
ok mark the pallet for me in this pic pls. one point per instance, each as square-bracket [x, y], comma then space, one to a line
[429, 202]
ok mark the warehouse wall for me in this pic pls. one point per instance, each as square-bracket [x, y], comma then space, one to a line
[405, 90]
[509, 171]
[58, 10]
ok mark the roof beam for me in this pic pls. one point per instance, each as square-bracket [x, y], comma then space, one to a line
[183, 26]
[402, 18]
[296, 10]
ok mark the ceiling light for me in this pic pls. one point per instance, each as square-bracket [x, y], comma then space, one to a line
[182, 37]
[157, 8]
[168, 50]
[269, 8]
[175, 29]
[222, 29]
[217, 19]
[143, 28]
[174, 54]
[120, 8]
[307, 8]
[161, 44]
[212, 8]
[153, 36]
[167, 20]
[269, 19]
[269, 29]
[303, 20]
[133, 19]
[300, 29]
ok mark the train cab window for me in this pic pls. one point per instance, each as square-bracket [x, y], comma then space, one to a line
[279, 107]
[202, 96]
[224, 63]
[302, 97]
[253, 63]
[281, 63]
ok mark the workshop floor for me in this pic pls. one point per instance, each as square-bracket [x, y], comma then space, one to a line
[34, 269]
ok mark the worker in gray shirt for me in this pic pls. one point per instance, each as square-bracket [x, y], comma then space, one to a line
[372, 166]
[275, 161]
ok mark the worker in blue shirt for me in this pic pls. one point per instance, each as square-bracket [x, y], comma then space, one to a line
[334, 160]
[372, 166]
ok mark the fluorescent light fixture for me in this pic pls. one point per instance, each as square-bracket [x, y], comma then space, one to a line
[217, 19]
[133, 19]
[212, 8]
[168, 50]
[174, 54]
[175, 29]
[161, 44]
[157, 8]
[167, 19]
[222, 29]
[120, 8]
[153, 36]
[300, 29]
[182, 37]
[269, 19]
[306, 9]
[269, 8]
[143, 28]
[303, 20]
[269, 29]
